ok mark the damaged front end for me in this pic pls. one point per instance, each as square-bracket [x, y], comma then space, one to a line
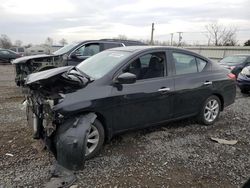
[62, 135]
[30, 64]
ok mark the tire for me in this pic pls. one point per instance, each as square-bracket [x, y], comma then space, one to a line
[93, 150]
[244, 91]
[210, 110]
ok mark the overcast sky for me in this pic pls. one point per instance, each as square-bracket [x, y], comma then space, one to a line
[32, 21]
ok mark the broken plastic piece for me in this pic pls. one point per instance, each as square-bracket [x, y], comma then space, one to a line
[60, 177]
[223, 141]
[71, 141]
[9, 154]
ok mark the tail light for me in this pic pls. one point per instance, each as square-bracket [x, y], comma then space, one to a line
[232, 67]
[231, 76]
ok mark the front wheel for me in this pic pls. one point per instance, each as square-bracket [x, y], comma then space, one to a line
[95, 139]
[210, 110]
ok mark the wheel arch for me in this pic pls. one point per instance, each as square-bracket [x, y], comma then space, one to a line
[102, 119]
[221, 100]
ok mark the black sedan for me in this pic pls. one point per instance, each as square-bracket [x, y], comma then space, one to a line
[236, 63]
[7, 55]
[243, 80]
[124, 89]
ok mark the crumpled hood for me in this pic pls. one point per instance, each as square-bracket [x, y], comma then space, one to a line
[53, 82]
[43, 75]
[26, 58]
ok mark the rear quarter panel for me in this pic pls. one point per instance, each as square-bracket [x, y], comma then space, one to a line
[223, 86]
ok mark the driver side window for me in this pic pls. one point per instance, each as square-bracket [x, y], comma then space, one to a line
[148, 66]
[88, 50]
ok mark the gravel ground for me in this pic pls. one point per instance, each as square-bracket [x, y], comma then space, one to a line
[179, 154]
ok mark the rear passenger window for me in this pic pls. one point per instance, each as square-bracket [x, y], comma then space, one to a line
[20, 49]
[200, 64]
[184, 63]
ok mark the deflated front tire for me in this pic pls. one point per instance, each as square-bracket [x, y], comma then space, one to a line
[78, 139]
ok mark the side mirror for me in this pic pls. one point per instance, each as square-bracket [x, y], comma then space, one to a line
[126, 78]
[73, 56]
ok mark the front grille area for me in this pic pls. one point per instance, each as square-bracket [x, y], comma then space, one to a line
[48, 119]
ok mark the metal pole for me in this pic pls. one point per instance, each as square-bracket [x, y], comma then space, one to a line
[152, 34]
[172, 36]
[180, 38]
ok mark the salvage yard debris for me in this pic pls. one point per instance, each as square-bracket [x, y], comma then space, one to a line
[189, 157]
[223, 141]
[9, 154]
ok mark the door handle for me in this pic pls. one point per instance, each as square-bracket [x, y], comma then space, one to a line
[207, 83]
[164, 89]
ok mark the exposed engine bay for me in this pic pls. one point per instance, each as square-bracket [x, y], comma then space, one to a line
[30, 64]
[62, 135]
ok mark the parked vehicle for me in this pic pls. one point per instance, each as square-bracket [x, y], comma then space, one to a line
[71, 54]
[7, 55]
[124, 89]
[236, 63]
[243, 80]
[19, 50]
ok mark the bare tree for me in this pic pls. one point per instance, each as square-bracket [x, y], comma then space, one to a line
[122, 37]
[63, 42]
[247, 43]
[18, 43]
[5, 41]
[219, 35]
[28, 45]
[49, 41]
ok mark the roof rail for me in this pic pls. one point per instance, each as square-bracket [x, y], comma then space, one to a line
[121, 40]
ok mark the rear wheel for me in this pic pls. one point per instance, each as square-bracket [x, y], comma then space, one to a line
[210, 110]
[95, 139]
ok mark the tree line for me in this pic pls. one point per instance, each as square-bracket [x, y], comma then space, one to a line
[5, 42]
[216, 34]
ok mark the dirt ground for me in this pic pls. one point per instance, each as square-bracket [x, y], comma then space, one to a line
[179, 154]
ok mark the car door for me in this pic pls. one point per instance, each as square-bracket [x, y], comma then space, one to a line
[83, 52]
[5, 55]
[192, 83]
[149, 99]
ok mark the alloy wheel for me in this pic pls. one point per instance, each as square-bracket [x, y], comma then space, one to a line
[211, 110]
[92, 140]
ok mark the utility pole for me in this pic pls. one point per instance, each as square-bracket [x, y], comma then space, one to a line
[172, 36]
[180, 38]
[152, 34]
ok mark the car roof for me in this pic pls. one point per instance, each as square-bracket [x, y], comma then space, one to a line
[5, 49]
[114, 41]
[142, 48]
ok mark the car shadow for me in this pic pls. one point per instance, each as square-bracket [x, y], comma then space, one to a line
[173, 125]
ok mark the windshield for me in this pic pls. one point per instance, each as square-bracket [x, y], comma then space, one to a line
[101, 63]
[234, 60]
[65, 49]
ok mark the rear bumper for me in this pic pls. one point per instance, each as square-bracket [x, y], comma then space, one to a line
[243, 82]
[229, 95]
